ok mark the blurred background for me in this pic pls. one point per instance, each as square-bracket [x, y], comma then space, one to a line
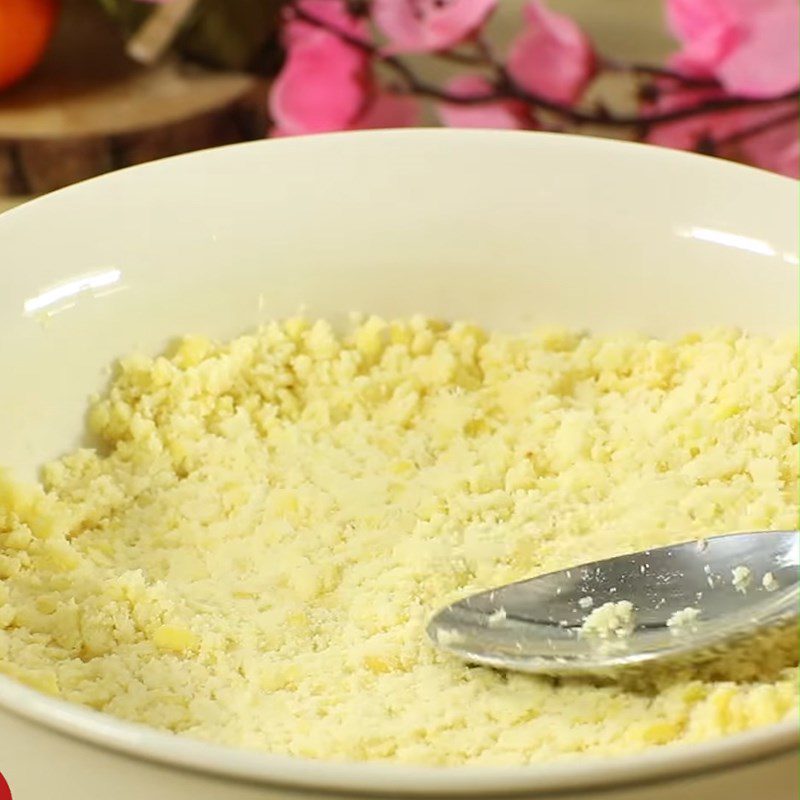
[88, 86]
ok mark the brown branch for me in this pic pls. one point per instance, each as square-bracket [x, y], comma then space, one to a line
[506, 88]
[659, 72]
[720, 104]
[457, 57]
[483, 46]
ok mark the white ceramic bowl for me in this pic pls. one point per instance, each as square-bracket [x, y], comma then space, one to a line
[510, 229]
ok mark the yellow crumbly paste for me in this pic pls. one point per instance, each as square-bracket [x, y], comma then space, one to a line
[253, 555]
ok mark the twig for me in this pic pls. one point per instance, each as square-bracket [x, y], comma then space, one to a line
[659, 72]
[471, 60]
[159, 30]
[720, 104]
[486, 50]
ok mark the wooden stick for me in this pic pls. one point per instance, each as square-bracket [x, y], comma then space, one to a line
[159, 31]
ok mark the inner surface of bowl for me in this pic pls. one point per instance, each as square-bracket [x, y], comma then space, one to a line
[509, 230]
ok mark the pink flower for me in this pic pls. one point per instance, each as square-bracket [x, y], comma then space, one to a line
[774, 148]
[552, 57]
[421, 26]
[689, 133]
[325, 82]
[708, 29]
[777, 149]
[509, 114]
[750, 46]
[331, 13]
[383, 110]
[387, 110]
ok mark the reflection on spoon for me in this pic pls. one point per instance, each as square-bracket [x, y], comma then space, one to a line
[684, 602]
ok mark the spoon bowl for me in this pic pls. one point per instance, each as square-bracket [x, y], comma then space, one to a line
[685, 602]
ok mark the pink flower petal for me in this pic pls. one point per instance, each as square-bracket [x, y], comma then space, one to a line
[702, 56]
[693, 19]
[777, 149]
[766, 61]
[322, 87]
[685, 134]
[506, 114]
[552, 57]
[751, 46]
[389, 111]
[709, 31]
[774, 149]
[333, 13]
[418, 26]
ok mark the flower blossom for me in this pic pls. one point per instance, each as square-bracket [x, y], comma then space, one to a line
[552, 57]
[508, 114]
[327, 83]
[422, 26]
[728, 133]
[750, 46]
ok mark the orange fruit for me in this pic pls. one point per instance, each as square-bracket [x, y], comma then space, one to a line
[25, 29]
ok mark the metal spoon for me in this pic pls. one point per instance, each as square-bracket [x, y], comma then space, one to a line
[536, 625]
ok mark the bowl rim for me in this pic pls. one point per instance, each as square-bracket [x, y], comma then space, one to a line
[548, 139]
[672, 762]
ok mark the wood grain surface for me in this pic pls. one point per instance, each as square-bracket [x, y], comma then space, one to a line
[89, 109]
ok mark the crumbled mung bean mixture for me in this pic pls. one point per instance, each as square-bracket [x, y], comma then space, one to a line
[252, 557]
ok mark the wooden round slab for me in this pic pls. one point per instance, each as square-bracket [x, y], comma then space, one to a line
[89, 109]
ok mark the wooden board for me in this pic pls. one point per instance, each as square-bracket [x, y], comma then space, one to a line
[6, 204]
[89, 109]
